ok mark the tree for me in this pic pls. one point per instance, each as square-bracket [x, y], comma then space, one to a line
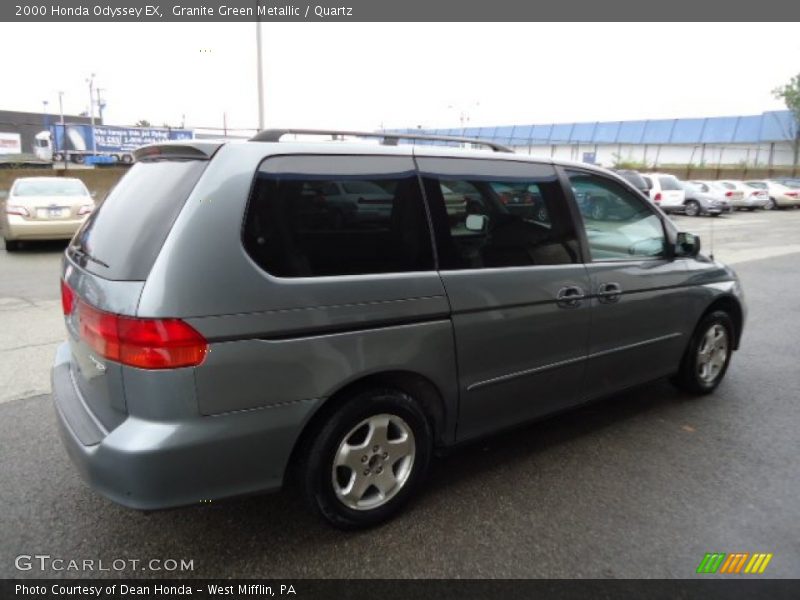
[790, 94]
[142, 123]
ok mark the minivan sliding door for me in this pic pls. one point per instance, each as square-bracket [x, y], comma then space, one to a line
[511, 265]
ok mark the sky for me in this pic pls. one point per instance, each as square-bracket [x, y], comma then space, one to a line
[373, 75]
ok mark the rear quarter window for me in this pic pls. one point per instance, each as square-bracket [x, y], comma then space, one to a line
[123, 237]
[327, 216]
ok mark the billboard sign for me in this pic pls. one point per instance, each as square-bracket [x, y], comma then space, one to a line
[114, 139]
[10, 143]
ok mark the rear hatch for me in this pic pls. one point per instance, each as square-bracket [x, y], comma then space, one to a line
[672, 194]
[105, 267]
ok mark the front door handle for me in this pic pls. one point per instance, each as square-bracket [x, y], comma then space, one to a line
[570, 296]
[609, 292]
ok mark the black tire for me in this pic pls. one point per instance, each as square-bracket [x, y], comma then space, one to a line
[78, 159]
[127, 159]
[689, 377]
[773, 204]
[12, 245]
[316, 470]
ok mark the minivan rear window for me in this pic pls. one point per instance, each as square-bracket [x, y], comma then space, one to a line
[123, 237]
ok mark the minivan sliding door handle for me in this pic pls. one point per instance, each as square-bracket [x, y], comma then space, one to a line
[570, 296]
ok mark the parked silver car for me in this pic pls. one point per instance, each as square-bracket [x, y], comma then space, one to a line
[751, 199]
[221, 337]
[702, 199]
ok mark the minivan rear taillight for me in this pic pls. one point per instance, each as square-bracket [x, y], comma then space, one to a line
[658, 197]
[67, 298]
[142, 343]
[728, 194]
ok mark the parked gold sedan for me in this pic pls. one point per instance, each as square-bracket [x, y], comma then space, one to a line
[43, 208]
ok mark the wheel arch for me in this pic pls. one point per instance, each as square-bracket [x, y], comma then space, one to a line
[733, 307]
[417, 386]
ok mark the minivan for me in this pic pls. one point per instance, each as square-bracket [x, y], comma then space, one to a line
[666, 191]
[225, 337]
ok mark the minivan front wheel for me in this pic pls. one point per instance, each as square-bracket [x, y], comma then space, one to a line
[707, 357]
[368, 459]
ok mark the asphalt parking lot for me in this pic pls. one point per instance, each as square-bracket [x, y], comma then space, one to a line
[640, 485]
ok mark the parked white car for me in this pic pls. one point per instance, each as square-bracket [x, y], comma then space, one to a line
[665, 191]
[780, 195]
[752, 198]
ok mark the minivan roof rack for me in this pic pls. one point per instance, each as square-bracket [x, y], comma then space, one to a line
[388, 138]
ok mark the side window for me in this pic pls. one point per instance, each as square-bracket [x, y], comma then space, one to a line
[618, 225]
[322, 224]
[486, 220]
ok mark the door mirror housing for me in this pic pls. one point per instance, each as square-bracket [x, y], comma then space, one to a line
[687, 245]
[477, 223]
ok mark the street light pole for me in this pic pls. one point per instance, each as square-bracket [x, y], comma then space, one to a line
[260, 68]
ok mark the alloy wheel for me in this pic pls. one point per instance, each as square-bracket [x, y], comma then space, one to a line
[373, 462]
[712, 353]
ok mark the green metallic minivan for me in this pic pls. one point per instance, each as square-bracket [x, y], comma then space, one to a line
[239, 313]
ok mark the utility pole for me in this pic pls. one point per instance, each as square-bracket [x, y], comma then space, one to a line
[63, 130]
[90, 81]
[260, 68]
[101, 104]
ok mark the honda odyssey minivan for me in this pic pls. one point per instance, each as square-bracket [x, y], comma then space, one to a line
[226, 334]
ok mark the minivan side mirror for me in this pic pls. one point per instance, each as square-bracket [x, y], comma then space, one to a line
[477, 223]
[687, 244]
[94, 194]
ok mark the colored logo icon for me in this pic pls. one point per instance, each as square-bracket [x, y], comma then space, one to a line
[736, 563]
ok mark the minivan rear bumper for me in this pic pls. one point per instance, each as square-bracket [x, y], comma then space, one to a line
[151, 465]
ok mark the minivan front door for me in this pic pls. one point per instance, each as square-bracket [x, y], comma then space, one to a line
[512, 269]
[639, 316]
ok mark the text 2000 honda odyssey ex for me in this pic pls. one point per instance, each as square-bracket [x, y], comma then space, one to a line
[240, 312]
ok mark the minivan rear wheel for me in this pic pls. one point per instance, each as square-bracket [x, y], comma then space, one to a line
[12, 245]
[368, 459]
[707, 357]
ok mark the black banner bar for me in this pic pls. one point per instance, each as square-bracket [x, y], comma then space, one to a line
[395, 10]
[383, 589]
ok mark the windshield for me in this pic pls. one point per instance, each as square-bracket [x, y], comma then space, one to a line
[52, 186]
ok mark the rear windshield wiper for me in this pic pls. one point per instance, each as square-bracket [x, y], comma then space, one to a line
[83, 254]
